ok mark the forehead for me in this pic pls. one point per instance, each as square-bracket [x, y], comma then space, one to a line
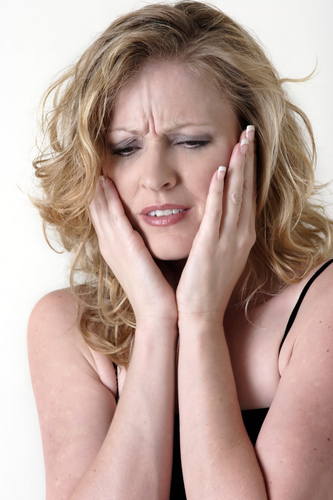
[168, 92]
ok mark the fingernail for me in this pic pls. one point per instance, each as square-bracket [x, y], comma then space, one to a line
[221, 172]
[250, 128]
[102, 180]
[244, 141]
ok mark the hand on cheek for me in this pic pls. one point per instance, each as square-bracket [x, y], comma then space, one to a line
[225, 237]
[124, 251]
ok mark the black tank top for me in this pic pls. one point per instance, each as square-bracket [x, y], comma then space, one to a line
[253, 419]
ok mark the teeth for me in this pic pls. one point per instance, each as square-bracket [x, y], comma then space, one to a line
[163, 213]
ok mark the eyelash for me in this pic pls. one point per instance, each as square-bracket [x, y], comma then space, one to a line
[125, 151]
[129, 150]
[192, 144]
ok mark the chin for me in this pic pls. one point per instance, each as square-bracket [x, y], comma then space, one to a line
[169, 254]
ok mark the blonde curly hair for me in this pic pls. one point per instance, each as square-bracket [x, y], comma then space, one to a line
[293, 233]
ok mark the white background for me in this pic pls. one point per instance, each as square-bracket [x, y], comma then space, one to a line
[38, 39]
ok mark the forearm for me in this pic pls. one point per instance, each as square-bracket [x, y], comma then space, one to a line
[218, 458]
[135, 460]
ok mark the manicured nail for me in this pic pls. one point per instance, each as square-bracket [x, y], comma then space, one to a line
[221, 172]
[244, 141]
[250, 128]
[102, 180]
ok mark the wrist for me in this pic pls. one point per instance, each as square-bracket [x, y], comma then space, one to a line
[201, 320]
[159, 329]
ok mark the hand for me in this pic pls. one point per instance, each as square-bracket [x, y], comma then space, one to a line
[226, 235]
[123, 249]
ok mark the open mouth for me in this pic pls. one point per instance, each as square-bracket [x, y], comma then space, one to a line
[164, 213]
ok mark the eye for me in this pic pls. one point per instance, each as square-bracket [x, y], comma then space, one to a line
[128, 151]
[194, 144]
[191, 142]
[125, 149]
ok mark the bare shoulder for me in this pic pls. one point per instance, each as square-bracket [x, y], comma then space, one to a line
[313, 329]
[314, 320]
[312, 344]
[54, 337]
[323, 283]
[53, 333]
[57, 308]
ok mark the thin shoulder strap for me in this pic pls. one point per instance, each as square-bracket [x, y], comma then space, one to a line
[300, 300]
[116, 372]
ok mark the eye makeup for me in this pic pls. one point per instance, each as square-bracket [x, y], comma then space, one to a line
[129, 146]
[190, 139]
[125, 148]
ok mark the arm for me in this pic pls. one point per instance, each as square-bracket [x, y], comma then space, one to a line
[92, 448]
[220, 461]
[294, 447]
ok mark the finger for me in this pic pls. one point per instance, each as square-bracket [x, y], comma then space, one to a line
[107, 210]
[115, 206]
[98, 201]
[211, 221]
[233, 193]
[98, 205]
[248, 208]
[250, 134]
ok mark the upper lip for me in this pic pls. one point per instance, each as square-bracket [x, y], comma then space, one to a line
[166, 206]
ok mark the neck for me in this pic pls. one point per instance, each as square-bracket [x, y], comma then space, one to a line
[172, 270]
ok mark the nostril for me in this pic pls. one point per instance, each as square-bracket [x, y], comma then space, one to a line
[159, 181]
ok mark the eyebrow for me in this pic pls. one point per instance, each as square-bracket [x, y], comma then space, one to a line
[124, 129]
[171, 128]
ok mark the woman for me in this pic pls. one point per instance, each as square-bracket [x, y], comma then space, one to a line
[179, 175]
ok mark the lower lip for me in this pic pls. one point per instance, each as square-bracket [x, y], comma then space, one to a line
[167, 220]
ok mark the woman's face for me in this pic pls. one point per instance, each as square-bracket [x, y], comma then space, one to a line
[169, 133]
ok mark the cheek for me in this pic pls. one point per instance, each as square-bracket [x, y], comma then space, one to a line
[200, 180]
[200, 176]
[122, 180]
[203, 185]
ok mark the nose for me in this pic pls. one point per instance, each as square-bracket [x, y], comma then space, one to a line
[158, 172]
